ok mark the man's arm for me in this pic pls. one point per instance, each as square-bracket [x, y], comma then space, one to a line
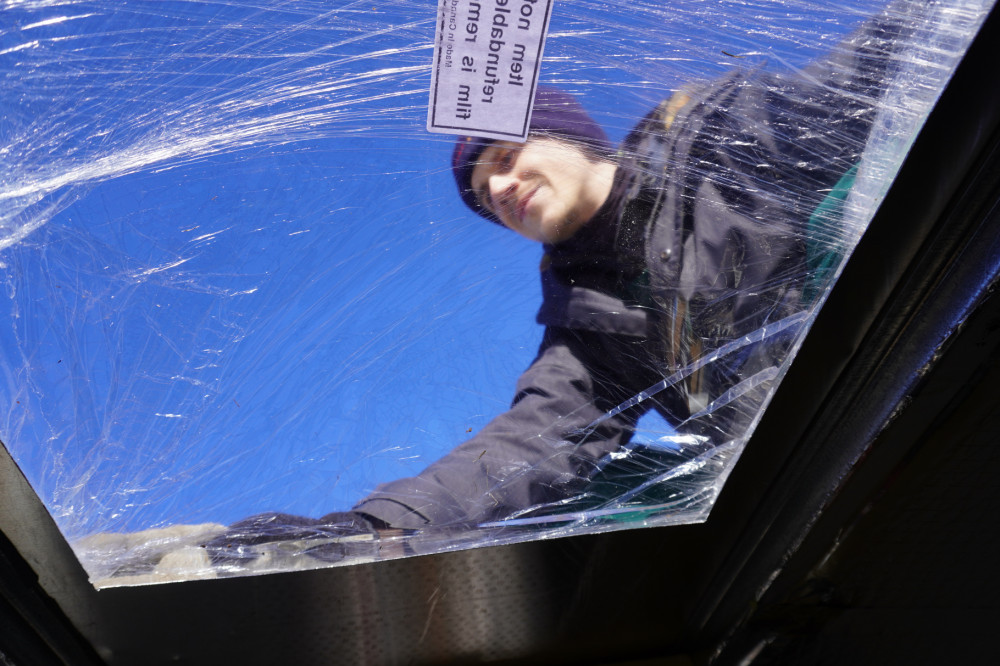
[535, 452]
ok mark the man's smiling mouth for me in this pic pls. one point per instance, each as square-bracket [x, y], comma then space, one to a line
[522, 205]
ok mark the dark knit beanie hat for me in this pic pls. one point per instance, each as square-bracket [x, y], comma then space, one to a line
[556, 114]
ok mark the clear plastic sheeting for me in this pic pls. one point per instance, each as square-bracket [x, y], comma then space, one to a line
[249, 323]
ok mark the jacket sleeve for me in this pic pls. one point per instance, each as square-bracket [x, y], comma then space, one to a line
[538, 451]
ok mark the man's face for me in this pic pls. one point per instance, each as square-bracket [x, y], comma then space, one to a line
[544, 189]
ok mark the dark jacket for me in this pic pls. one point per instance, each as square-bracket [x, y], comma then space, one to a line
[683, 294]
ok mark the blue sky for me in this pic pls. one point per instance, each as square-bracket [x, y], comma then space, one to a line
[245, 282]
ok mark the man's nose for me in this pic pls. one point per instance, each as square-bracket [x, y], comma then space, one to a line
[502, 186]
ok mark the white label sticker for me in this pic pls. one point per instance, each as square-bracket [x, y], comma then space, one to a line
[486, 60]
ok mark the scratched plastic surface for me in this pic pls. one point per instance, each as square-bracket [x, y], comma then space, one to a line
[238, 279]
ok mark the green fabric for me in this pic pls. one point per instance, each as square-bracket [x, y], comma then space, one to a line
[824, 248]
[629, 469]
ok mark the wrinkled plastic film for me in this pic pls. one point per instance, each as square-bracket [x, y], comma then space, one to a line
[239, 280]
